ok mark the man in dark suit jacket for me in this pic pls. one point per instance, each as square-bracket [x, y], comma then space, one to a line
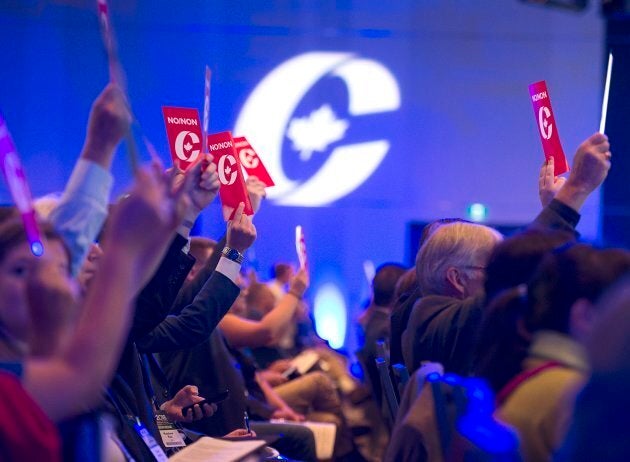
[451, 266]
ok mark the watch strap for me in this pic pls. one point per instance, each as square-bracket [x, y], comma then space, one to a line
[232, 254]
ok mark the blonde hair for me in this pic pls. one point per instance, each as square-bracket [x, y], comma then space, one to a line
[458, 245]
[46, 204]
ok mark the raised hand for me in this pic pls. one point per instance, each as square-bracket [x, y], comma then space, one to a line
[548, 183]
[108, 123]
[203, 184]
[53, 305]
[256, 191]
[143, 223]
[241, 232]
[590, 168]
[299, 283]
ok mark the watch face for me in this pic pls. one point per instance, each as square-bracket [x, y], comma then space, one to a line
[232, 254]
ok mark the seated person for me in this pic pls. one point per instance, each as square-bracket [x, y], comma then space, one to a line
[213, 368]
[376, 323]
[560, 313]
[451, 268]
[281, 278]
[262, 337]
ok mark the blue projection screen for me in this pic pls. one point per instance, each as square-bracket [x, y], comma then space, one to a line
[368, 114]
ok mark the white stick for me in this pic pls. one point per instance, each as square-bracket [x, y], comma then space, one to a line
[602, 121]
[206, 110]
[300, 246]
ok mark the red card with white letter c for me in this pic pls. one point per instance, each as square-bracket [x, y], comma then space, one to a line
[251, 161]
[547, 128]
[183, 129]
[232, 190]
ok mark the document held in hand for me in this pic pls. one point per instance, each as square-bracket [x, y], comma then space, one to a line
[183, 129]
[547, 128]
[207, 449]
[232, 190]
[251, 161]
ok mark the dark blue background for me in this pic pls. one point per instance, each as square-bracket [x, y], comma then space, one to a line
[464, 132]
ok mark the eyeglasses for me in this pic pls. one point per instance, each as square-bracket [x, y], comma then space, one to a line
[482, 268]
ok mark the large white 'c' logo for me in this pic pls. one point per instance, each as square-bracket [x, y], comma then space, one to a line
[544, 125]
[371, 89]
[248, 158]
[229, 169]
[186, 151]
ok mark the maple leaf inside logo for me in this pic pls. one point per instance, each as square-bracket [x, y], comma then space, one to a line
[316, 131]
[188, 146]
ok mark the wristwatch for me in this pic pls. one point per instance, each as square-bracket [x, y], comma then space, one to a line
[232, 254]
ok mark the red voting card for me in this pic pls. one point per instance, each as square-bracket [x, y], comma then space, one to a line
[547, 128]
[184, 134]
[232, 190]
[300, 246]
[251, 161]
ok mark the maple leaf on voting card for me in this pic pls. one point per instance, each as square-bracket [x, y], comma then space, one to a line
[316, 131]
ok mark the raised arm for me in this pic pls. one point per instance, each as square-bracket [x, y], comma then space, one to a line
[191, 325]
[256, 191]
[82, 209]
[242, 332]
[71, 382]
[590, 168]
[548, 183]
[156, 299]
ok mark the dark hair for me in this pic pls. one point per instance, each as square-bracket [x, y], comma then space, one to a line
[280, 269]
[7, 212]
[12, 234]
[255, 292]
[514, 260]
[384, 283]
[406, 284]
[574, 272]
[501, 343]
[200, 244]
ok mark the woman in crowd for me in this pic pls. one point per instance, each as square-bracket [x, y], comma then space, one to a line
[68, 378]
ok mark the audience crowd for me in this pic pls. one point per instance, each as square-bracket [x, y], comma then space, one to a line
[492, 348]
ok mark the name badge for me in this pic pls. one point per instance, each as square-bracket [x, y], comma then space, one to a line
[171, 437]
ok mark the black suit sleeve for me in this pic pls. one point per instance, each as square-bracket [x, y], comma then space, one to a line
[193, 324]
[191, 289]
[556, 216]
[156, 299]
